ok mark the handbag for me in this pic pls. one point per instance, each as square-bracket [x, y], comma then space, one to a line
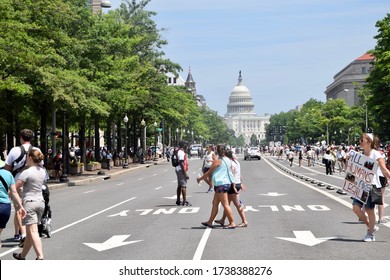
[376, 195]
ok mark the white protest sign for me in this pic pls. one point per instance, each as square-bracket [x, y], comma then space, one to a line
[360, 171]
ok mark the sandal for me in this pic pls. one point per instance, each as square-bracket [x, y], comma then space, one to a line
[243, 225]
[219, 222]
[18, 256]
[229, 227]
[207, 225]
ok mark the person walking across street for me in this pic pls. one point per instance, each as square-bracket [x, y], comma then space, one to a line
[207, 162]
[15, 163]
[328, 162]
[31, 180]
[222, 176]
[341, 156]
[233, 194]
[33, 204]
[182, 176]
[291, 157]
[368, 144]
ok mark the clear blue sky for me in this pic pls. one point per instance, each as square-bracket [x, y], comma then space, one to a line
[288, 50]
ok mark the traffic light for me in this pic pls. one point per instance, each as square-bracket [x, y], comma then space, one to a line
[161, 124]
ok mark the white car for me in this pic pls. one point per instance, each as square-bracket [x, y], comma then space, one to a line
[252, 152]
[194, 151]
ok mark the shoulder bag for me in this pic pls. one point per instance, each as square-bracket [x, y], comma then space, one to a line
[376, 195]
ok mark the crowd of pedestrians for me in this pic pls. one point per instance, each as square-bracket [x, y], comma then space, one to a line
[336, 159]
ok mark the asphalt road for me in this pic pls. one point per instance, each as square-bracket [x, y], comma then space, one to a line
[134, 217]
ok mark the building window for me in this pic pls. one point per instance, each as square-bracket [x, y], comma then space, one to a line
[364, 70]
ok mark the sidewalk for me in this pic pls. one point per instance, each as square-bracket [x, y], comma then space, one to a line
[104, 174]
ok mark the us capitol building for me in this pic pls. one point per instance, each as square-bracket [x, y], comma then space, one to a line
[241, 116]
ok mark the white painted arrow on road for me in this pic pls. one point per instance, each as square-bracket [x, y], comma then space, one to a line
[273, 194]
[306, 237]
[122, 214]
[113, 242]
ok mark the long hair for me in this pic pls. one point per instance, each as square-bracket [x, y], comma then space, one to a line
[221, 150]
[36, 155]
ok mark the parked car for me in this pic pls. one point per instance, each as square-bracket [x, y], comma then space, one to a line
[252, 152]
[195, 149]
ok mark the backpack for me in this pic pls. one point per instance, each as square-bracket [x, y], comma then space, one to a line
[20, 158]
[175, 159]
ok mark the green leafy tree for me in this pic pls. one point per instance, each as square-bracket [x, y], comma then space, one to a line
[378, 81]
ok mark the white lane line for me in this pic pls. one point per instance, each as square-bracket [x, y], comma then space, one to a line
[93, 215]
[89, 191]
[158, 188]
[202, 245]
[74, 223]
[343, 202]
[120, 184]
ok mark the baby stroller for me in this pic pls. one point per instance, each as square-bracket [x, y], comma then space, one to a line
[45, 226]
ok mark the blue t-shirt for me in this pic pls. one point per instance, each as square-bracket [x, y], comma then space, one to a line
[223, 174]
[9, 179]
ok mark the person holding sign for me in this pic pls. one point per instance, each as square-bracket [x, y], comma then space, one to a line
[368, 143]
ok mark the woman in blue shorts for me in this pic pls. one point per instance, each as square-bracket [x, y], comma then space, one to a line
[222, 176]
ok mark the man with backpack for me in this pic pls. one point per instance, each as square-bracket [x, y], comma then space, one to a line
[15, 163]
[179, 161]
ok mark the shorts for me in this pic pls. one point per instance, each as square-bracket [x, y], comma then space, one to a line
[238, 188]
[181, 179]
[368, 205]
[5, 213]
[222, 188]
[34, 211]
[205, 169]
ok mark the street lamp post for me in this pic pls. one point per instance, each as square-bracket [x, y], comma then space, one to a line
[177, 137]
[143, 144]
[126, 164]
[155, 140]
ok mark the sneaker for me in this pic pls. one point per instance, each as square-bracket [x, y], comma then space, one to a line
[17, 237]
[369, 238]
[178, 202]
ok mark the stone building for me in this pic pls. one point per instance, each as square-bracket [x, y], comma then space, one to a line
[348, 80]
[241, 116]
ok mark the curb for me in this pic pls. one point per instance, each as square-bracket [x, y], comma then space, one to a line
[80, 182]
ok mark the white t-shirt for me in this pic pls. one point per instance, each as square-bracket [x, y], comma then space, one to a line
[180, 156]
[237, 171]
[208, 159]
[14, 154]
[375, 155]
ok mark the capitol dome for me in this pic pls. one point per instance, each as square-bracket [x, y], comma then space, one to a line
[240, 100]
[240, 90]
